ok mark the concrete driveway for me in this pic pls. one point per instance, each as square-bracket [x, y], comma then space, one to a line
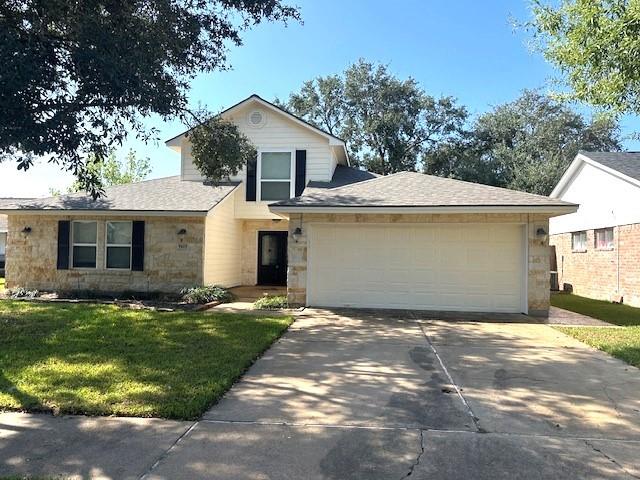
[369, 395]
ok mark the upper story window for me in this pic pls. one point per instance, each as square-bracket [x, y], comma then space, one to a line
[604, 238]
[579, 241]
[275, 176]
[84, 237]
[118, 245]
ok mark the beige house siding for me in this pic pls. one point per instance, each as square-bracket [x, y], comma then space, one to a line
[538, 250]
[250, 231]
[32, 258]
[601, 274]
[223, 245]
[278, 132]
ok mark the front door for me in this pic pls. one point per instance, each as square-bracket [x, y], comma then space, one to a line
[272, 258]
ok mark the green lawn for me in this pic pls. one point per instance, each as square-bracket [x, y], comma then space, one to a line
[102, 360]
[615, 313]
[622, 343]
[1, 283]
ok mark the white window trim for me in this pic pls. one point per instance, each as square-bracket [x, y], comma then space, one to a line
[595, 239]
[74, 244]
[583, 249]
[107, 245]
[292, 179]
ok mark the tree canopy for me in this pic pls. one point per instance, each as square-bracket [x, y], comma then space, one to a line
[78, 77]
[387, 122]
[596, 45]
[525, 145]
[112, 171]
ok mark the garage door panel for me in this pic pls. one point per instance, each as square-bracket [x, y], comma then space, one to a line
[440, 267]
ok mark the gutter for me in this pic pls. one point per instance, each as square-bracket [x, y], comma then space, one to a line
[553, 209]
[105, 213]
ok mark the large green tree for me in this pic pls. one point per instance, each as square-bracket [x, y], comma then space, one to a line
[79, 76]
[387, 122]
[596, 45]
[526, 144]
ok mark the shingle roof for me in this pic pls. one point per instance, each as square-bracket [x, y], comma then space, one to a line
[168, 194]
[3, 218]
[410, 189]
[627, 163]
[342, 176]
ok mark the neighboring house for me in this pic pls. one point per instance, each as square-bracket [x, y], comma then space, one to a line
[299, 216]
[597, 248]
[3, 231]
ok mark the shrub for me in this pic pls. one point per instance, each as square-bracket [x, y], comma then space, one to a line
[23, 293]
[206, 294]
[271, 302]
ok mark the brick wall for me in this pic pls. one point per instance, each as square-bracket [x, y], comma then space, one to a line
[32, 258]
[538, 260]
[595, 273]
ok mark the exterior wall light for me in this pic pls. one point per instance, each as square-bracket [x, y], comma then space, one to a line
[182, 231]
[297, 233]
[541, 232]
[26, 230]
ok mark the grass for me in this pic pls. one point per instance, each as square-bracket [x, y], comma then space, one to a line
[103, 360]
[615, 313]
[2, 282]
[622, 343]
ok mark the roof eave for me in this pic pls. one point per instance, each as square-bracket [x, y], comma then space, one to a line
[139, 213]
[547, 209]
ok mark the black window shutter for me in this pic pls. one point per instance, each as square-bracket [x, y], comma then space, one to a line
[64, 230]
[251, 180]
[301, 171]
[137, 246]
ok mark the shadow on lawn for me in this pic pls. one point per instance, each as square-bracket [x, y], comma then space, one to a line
[103, 360]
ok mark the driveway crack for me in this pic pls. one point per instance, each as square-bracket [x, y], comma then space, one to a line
[610, 458]
[474, 419]
[418, 458]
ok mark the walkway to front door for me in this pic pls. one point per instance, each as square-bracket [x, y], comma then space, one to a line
[272, 258]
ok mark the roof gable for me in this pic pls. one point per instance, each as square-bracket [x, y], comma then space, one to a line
[623, 165]
[333, 140]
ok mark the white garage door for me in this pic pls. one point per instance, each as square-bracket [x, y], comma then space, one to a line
[430, 267]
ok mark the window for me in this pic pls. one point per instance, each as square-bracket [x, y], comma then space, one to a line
[604, 239]
[579, 241]
[275, 173]
[84, 238]
[119, 245]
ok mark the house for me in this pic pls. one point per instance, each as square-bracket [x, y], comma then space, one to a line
[3, 231]
[597, 248]
[298, 215]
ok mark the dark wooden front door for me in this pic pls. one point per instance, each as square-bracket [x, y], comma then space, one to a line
[272, 258]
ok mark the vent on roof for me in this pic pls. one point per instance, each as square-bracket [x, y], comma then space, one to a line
[256, 119]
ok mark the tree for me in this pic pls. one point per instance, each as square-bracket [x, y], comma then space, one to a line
[386, 122]
[112, 171]
[78, 77]
[525, 145]
[596, 45]
[219, 149]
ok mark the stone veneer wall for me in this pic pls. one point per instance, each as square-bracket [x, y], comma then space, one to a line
[32, 258]
[250, 229]
[538, 281]
[594, 273]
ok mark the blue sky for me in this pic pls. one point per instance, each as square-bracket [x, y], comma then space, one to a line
[463, 48]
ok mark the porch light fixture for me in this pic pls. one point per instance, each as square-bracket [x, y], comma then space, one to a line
[182, 231]
[26, 230]
[541, 232]
[297, 233]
